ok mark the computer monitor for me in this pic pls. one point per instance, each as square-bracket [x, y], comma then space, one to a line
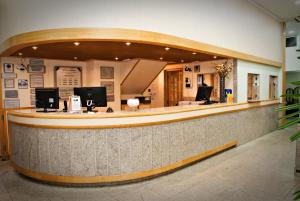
[47, 98]
[204, 93]
[97, 94]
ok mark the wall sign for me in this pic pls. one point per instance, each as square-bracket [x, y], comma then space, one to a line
[36, 68]
[12, 103]
[66, 78]
[11, 94]
[9, 75]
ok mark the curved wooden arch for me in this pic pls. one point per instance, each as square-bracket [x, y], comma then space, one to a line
[23, 40]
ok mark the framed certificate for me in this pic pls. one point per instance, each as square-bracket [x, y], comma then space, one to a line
[9, 83]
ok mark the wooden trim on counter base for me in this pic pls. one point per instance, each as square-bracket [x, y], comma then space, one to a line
[117, 179]
[23, 40]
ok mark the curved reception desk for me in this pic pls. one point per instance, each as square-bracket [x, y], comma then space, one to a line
[106, 148]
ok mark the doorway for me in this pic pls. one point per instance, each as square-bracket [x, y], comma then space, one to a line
[173, 87]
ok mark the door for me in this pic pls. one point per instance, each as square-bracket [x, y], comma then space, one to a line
[173, 87]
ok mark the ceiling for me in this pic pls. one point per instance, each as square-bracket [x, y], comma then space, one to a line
[282, 10]
[104, 50]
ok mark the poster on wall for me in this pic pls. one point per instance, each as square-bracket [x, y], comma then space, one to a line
[109, 85]
[23, 84]
[11, 94]
[110, 98]
[11, 103]
[106, 72]
[36, 80]
[9, 83]
[66, 78]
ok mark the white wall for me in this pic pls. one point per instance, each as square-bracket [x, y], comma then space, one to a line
[292, 77]
[244, 67]
[292, 63]
[233, 24]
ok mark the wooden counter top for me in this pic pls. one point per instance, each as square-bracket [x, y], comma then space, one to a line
[121, 119]
[31, 113]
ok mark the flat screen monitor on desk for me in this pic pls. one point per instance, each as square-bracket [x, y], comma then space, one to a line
[95, 94]
[47, 98]
[204, 93]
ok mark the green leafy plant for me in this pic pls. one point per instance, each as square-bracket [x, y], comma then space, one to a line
[291, 119]
[286, 119]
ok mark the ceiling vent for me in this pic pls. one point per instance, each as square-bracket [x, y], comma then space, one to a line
[297, 19]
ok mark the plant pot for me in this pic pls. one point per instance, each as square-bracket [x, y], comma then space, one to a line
[297, 157]
[222, 89]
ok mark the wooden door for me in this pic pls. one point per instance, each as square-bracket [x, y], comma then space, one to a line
[173, 87]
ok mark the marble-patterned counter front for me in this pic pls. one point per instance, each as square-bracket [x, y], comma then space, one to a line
[106, 155]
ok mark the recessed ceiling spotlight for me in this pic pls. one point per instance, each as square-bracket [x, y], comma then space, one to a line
[128, 43]
[167, 48]
[76, 43]
[215, 57]
[161, 58]
[182, 60]
[116, 58]
[194, 53]
[75, 58]
[34, 47]
[20, 53]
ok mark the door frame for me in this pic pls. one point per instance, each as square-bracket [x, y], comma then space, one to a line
[166, 84]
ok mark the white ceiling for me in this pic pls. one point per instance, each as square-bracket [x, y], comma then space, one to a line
[282, 10]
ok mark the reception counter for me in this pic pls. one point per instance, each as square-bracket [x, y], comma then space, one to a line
[106, 148]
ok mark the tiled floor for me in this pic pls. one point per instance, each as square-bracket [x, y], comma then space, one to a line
[260, 170]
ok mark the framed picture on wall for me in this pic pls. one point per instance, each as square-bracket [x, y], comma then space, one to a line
[36, 80]
[36, 69]
[8, 67]
[23, 84]
[110, 98]
[106, 72]
[109, 86]
[9, 103]
[9, 83]
[197, 68]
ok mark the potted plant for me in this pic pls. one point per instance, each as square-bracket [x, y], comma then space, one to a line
[292, 119]
[223, 71]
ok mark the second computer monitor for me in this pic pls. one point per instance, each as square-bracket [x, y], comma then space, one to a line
[97, 94]
[203, 93]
